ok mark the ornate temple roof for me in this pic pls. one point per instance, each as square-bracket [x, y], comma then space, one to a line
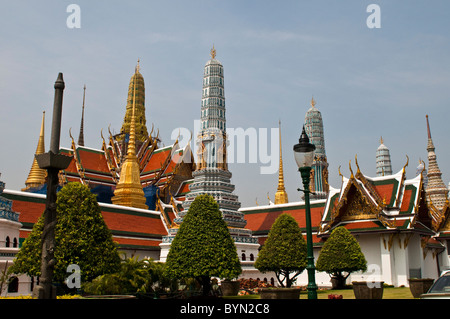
[260, 218]
[387, 203]
[165, 168]
[145, 233]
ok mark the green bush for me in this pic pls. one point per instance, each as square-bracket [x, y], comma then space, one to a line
[134, 277]
[81, 238]
[284, 251]
[341, 254]
[203, 247]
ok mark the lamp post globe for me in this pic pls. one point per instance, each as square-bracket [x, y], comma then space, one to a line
[304, 157]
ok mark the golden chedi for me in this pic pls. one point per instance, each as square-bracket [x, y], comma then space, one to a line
[129, 190]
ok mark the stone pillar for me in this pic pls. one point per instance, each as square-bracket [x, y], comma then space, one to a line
[386, 260]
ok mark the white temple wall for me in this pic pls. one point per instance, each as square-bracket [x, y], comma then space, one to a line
[430, 267]
[415, 257]
[370, 247]
[401, 261]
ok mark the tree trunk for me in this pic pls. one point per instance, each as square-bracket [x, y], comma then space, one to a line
[206, 284]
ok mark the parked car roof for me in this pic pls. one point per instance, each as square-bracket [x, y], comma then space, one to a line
[440, 288]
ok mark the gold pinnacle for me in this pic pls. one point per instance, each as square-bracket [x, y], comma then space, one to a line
[213, 53]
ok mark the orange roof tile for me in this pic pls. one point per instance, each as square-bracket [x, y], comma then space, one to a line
[94, 161]
[156, 160]
[262, 220]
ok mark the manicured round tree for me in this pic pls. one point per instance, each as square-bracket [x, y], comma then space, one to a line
[341, 254]
[284, 252]
[81, 238]
[203, 247]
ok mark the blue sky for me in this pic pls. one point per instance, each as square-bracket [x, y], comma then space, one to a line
[276, 55]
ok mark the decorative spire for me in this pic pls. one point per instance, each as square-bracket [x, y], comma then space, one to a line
[319, 173]
[436, 189]
[383, 160]
[129, 190]
[132, 141]
[37, 175]
[430, 146]
[281, 196]
[213, 53]
[138, 98]
[81, 136]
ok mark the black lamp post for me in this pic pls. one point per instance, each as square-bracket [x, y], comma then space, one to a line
[53, 162]
[304, 156]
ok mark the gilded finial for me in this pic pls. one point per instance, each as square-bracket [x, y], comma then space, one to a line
[356, 162]
[213, 53]
[313, 102]
[407, 162]
[381, 140]
[137, 66]
[350, 167]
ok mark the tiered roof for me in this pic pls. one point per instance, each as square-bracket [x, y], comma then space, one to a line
[386, 204]
[380, 204]
[132, 228]
[260, 218]
[163, 167]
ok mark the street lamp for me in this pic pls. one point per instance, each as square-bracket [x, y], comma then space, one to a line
[304, 156]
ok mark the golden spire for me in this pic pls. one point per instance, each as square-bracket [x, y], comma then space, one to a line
[138, 98]
[129, 190]
[313, 102]
[132, 141]
[213, 53]
[281, 196]
[37, 175]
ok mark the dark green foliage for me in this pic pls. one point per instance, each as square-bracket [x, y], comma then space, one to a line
[81, 237]
[341, 254]
[134, 277]
[284, 251]
[203, 247]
